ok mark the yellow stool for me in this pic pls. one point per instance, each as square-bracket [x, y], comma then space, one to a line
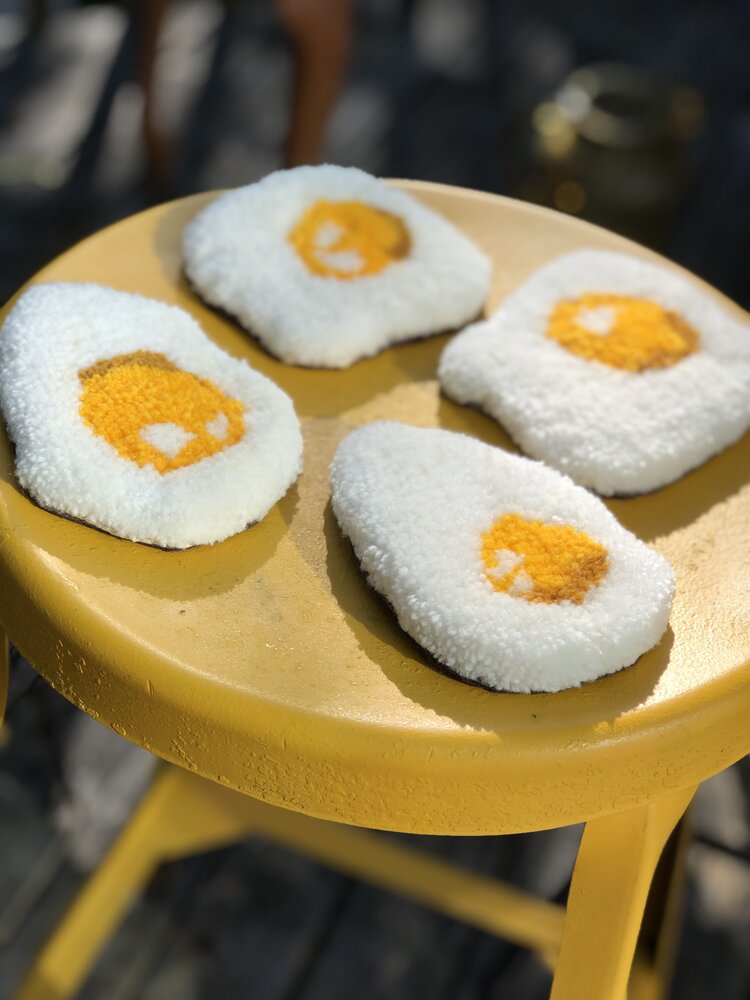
[266, 665]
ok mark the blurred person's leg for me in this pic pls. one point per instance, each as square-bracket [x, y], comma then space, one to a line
[320, 32]
[150, 18]
[36, 13]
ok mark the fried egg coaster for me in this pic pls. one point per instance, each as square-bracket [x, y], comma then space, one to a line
[506, 571]
[614, 370]
[326, 265]
[124, 415]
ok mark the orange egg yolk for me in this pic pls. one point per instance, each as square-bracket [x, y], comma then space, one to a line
[348, 239]
[623, 332]
[154, 413]
[542, 563]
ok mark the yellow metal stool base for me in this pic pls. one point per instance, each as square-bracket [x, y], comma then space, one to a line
[183, 814]
[265, 664]
[611, 881]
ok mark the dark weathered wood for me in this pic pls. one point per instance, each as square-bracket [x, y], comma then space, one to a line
[417, 948]
[714, 957]
[247, 916]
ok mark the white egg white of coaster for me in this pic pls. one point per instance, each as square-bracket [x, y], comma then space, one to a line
[124, 415]
[618, 372]
[326, 265]
[506, 571]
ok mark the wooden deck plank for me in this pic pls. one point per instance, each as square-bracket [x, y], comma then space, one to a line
[246, 917]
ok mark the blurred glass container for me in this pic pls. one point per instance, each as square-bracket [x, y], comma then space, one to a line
[613, 146]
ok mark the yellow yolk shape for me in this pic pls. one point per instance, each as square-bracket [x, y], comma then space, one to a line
[623, 332]
[154, 413]
[543, 563]
[348, 239]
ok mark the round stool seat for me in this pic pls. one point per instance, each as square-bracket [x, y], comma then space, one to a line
[267, 664]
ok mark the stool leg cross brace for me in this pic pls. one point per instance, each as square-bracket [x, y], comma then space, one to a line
[590, 947]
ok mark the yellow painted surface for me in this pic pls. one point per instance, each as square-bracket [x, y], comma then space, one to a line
[611, 880]
[182, 815]
[265, 662]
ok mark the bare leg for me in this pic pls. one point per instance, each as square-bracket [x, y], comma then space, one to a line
[149, 16]
[38, 12]
[320, 32]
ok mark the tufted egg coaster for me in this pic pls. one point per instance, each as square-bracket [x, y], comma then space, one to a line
[326, 265]
[506, 571]
[616, 371]
[125, 415]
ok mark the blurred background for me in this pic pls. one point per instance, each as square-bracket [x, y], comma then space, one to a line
[630, 114]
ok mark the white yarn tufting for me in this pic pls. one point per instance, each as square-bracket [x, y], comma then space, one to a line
[415, 504]
[52, 333]
[616, 431]
[238, 256]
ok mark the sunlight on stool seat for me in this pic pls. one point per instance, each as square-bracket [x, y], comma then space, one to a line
[295, 708]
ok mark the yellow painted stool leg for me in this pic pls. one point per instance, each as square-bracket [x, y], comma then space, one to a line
[183, 814]
[657, 945]
[171, 820]
[483, 902]
[611, 881]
